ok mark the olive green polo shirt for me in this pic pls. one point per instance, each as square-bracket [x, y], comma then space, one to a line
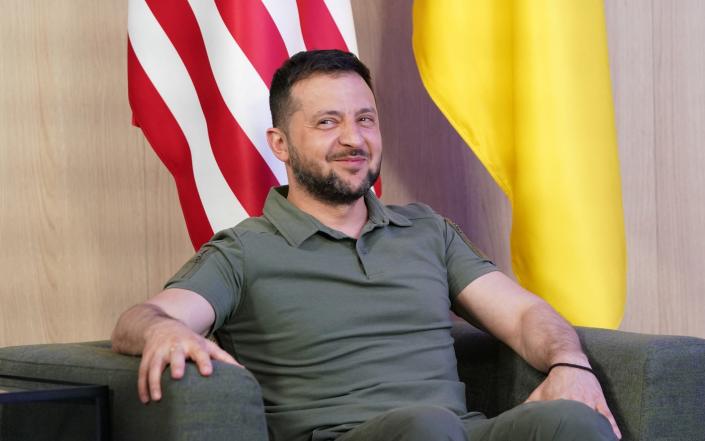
[337, 329]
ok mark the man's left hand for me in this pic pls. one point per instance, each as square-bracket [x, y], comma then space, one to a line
[569, 383]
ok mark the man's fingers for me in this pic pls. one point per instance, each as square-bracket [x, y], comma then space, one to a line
[154, 376]
[142, 380]
[604, 410]
[226, 358]
[219, 354]
[535, 395]
[155, 361]
[177, 361]
[203, 360]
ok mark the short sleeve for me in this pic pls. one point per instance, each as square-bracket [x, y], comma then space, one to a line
[464, 261]
[216, 273]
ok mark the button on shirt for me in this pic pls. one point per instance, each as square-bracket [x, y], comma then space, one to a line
[337, 329]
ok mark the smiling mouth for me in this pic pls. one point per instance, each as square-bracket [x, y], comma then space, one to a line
[351, 159]
[353, 155]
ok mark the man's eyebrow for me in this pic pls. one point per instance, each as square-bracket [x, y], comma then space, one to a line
[326, 112]
[366, 110]
[338, 113]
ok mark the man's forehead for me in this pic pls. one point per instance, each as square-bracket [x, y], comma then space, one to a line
[334, 87]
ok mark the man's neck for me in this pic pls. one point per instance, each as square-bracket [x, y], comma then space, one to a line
[348, 219]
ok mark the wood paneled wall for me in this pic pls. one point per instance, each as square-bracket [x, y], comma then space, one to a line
[658, 72]
[89, 219]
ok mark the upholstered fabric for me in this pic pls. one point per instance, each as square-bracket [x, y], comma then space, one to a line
[654, 385]
[226, 406]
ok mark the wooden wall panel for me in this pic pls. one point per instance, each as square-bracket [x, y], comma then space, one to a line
[74, 175]
[167, 245]
[679, 100]
[658, 66]
[630, 34]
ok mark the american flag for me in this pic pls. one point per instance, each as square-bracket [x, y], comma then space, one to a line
[199, 73]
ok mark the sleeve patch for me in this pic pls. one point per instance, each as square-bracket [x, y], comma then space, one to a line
[465, 239]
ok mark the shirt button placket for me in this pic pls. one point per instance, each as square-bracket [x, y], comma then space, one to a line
[362, 254]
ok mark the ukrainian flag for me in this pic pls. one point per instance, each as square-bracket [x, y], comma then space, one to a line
[526, 84]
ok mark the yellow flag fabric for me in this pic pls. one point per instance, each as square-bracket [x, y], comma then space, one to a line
[526, 84]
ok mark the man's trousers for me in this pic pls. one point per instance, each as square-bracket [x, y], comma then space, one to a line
[559, 420]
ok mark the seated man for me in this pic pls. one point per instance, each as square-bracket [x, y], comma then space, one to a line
[339, 305]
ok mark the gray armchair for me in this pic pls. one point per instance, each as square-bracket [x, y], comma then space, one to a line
[655, 386]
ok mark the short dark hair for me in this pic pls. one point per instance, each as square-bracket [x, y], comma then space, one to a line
[304, 65]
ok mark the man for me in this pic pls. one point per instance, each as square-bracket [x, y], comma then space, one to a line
[339, 305]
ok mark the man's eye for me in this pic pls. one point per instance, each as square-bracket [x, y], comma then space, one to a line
[326, 122]
[367, 119]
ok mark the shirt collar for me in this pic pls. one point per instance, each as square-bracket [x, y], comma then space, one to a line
[297, 226]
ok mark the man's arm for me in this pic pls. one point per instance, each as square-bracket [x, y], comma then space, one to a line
[168, 329]
[538, 334]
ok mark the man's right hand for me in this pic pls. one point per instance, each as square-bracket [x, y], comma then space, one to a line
[170, 342]
[168, 329]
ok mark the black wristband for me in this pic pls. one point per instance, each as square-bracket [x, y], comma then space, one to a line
[577, 366]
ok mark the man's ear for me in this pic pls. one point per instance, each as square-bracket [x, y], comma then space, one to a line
[278, 142]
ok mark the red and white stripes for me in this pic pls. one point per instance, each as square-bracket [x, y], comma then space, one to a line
[199, 73]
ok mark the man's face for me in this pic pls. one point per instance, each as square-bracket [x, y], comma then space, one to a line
[334, 142]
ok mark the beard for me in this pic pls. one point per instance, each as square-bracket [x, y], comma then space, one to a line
[330, 187]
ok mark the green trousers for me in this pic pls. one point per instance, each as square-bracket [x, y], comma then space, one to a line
[559, 420]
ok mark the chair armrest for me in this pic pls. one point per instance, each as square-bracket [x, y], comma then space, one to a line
[653, 384]
[227, 405]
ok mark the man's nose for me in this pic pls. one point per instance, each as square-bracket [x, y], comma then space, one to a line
[350, 135]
